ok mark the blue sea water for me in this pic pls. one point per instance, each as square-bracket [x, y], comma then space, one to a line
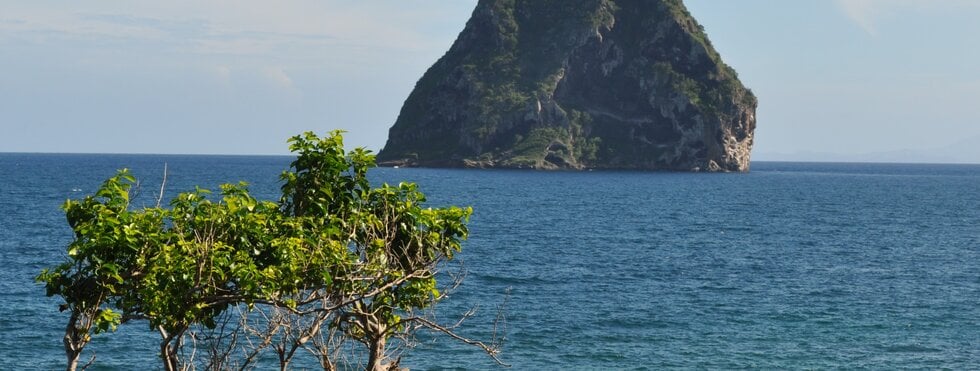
[794, 265]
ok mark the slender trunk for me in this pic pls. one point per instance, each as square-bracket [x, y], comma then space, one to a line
[376, 356]
[284, 358]
[166, 355]
[72, 358]
[168, 349]
[326, 363]
[73, 343]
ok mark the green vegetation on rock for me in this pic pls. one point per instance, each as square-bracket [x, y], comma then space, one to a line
[577, 84]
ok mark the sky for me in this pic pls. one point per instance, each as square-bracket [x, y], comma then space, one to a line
[837, 80]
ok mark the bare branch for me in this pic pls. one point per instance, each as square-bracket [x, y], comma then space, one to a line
[89, 363]
[493, 350]
[162, 184]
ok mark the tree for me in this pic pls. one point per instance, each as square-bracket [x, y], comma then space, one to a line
[334, 263]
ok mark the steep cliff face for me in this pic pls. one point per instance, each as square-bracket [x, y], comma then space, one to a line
[571, 84]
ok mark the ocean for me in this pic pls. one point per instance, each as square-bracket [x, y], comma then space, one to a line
[790, 266]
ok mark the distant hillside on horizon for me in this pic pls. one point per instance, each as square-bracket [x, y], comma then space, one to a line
[964, 151]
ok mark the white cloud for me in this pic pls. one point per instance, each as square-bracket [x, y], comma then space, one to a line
[221, 25]
[225, 62]
[279, 77]
[861, 12]
[868, 14]
[223, 73]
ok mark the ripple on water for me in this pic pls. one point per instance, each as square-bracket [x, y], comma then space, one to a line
[793, 266]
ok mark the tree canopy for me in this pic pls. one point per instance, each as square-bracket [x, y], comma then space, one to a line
[334, 266]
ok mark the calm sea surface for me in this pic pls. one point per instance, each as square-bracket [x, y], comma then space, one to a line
[790, 266]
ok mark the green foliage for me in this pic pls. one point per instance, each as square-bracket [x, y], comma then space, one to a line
[711, 97]
[531, 150]
[586, 147]
[356, 258]
[725, 80]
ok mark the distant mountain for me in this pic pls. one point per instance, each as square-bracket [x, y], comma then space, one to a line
[964, 151]
[572, 84]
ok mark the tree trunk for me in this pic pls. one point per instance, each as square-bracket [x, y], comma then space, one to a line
[283, 357]
[167, 356]
[73, 343]
[72, 357]
[168, 349]
[376, 356]
[327, 364]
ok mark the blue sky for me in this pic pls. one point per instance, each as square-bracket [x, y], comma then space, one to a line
[893, 80]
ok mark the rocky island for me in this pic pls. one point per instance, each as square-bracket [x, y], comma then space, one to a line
[576, 84]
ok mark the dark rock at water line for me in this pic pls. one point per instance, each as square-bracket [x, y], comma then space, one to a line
[574, 84]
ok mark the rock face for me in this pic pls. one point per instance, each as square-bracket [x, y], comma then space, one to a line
[573, 84]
